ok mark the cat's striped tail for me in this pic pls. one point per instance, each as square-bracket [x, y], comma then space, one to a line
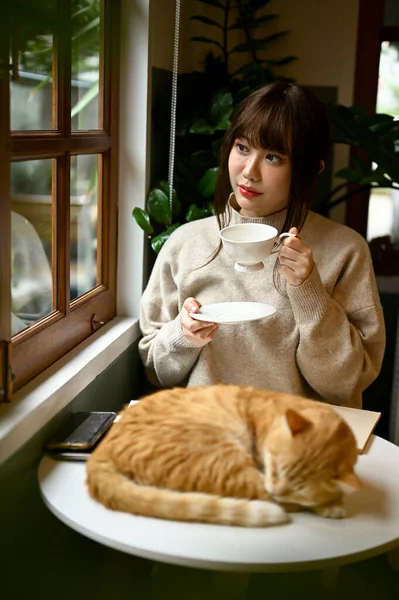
[118, 492]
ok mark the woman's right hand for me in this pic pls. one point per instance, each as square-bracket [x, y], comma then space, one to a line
[197, 333]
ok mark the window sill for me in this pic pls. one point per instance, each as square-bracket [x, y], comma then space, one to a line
[40, 400]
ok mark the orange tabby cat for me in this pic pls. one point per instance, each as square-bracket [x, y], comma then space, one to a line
[224, 454]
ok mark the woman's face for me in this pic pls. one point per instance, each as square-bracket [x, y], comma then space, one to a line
[260, 179]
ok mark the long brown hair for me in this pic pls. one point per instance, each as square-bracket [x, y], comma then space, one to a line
[290, 120]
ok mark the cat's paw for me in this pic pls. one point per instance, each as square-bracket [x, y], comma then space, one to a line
[331, 511]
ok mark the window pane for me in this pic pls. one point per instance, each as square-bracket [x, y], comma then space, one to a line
[31, 100]
[84, 217]
[31, 241]
[383, 216]
[85, 64]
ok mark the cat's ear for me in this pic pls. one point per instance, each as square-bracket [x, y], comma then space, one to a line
[349, 483]
[295, 422]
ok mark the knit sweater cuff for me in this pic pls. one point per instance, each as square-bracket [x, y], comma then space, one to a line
[309, 300]
[178, 341]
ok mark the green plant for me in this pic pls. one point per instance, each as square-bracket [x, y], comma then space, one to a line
[205, 103]
[377, 136]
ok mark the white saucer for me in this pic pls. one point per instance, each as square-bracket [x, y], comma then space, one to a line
[229, 313]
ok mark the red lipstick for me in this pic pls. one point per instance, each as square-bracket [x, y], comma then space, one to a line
[248, 192]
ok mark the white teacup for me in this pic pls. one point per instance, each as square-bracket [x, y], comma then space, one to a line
[250, 243]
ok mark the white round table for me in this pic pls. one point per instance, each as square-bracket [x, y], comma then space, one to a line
[310, 542]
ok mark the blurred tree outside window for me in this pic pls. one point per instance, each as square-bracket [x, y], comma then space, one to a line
[383, 217]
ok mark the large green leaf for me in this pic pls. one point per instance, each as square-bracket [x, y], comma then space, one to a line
[350, 174]
[250, 23]
[376, 119]
[216, 3]
[274, 36]
[91, 93]
[393, 133]
[269, 17]
[205, 40]
[358, 110]
[221, 109]
[246, 24]
[207, 183]
[81, 11]
[142, 219]
[250, 6]
[158, 241]
[344, 113]
[393, 168]
[224, 124]
[195, 212]
[382, 125]
[249, 46]
[252, 45]
[202, 127]
[242, 93]
[40, 85]
[388, 130]
[206, 20]
[211, 208]
[252, 68]
[203, 158]
[164, 186]
[360, 165]
[377, 177]
[158, 206]
[362, 173]
[94, 24]
[280, 61]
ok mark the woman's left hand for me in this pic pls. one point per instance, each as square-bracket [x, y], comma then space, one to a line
[296, 260]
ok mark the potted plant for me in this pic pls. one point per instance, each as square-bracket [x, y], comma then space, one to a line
[205, 103]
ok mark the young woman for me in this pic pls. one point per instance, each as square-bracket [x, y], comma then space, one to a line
[326, 339]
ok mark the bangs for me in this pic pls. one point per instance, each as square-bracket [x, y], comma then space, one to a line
[269, 129]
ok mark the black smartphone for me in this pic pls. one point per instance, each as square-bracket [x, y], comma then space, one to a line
[78, 455]
[81, 432]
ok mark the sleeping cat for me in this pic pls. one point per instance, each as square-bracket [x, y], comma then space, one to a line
[224, 454]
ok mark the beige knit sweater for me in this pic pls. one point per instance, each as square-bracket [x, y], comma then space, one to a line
[325, 341]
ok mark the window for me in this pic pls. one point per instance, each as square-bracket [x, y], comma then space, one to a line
[376, 215]
[58, 181]
[383, 213]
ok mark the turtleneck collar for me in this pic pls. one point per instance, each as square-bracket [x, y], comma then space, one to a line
[276, 220]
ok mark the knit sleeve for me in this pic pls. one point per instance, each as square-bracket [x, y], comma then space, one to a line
[341, 335]
[163, 349]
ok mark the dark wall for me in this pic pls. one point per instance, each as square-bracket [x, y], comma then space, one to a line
[379, 395]
[42, 558]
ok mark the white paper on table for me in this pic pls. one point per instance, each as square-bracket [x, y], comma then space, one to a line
[131, 403]
[362, 423]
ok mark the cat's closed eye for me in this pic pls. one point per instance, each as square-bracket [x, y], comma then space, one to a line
[300, 487]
